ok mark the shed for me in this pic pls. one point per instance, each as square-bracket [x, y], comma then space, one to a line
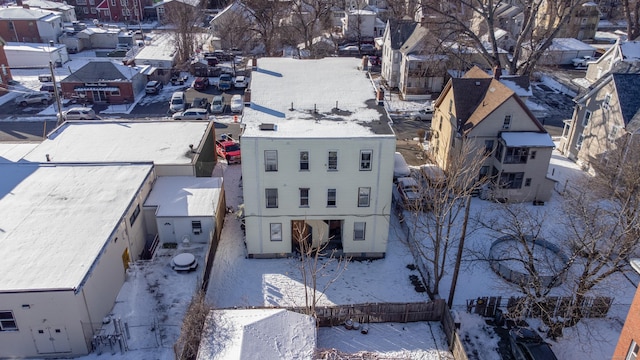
[563, 50]
[186, 209]
[257, 334]
[35, 55]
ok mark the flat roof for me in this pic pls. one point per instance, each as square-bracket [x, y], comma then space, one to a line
[161, 48]
[163, 142]
[527, 138]
[185, 196]
[318, 98]
[14, 151]
[56, 220]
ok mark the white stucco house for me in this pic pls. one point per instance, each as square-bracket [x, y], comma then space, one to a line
[67, 238]
[358, 24]
[317, 159]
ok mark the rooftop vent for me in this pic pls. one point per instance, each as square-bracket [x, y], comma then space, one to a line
[477, 83]
[272, 127]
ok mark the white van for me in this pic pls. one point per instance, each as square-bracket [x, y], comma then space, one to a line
[178, 102]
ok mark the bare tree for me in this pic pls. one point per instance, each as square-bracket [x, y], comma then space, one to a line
[316, 261]
[186, 19]
[536, 34]
[308, 20]
[234, 30]
[192, 327]
[434, 222]
[266, 16]
[632, 16]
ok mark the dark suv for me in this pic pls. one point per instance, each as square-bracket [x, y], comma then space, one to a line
[153, 87]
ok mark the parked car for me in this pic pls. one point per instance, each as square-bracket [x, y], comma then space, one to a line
[581, 61]
[178, 79]
[527, 344]
[200, 83]
[400, 167]
[45, 78]
[217, 105]
[48, 87]
[229, 149]
[236, 103]
[121, 46]
[31, 98]
[240, 82]
[178, 102]
[117, 53]
[153, 87]
[224, 82]
[407, 193]
[192, 114]
[425, 114]
[79, 113]
[199, 102]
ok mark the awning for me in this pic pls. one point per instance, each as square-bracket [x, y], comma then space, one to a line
[97, 89]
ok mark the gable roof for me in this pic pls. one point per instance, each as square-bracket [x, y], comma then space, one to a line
[628, 91]
[400, 31]
[477, 95]
[415, 42]
[20, 13]
[102, 71]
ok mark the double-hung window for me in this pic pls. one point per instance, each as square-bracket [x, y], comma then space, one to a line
[304, 160]
[7, 321]
[271, 198]
[332, 161]
[270, 160]
[365, 160]
[275, 232]
[363, 196]
[304, 197]
[359, 230]
[331, 197]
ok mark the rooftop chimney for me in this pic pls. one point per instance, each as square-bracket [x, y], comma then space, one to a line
[497, 72]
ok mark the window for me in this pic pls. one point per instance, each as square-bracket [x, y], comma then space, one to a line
[484, 172]
[85, 10]
[304, 197]
[270, 160]
[304, 160]
[634, 349]
[7, 321]
[94, 11]
[134, 216]
[511, 180]
[365, 159]
[527, 182]
[272, 198]
[196, 227]
[115, 92]
[613, 134]
[333, 160]
[123, 2]
[587, 117]
[331, 197]
[607, 101]
[275, 232]
[507, 122]
[532, 155]
[488, 147]
[11, 25]
[127, 12]
[516, 155]
[113, 2]
[579, 142]
[450, 105]
[359, 229]
[363, 196]
[81, 2]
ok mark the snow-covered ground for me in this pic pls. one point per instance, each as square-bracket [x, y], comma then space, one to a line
[154, 298]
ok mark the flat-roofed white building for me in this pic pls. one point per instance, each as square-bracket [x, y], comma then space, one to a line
[177, 148]
[68, 233]
[317, 159]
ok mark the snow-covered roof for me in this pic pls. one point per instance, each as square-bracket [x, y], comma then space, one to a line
[45, 4]
[14, 151]
[185, 196]
[162, 48]
[20, 13]
[630, 50]
[33, 47]
[527, 139]
[163, 142]
[304, 100]
[257, 334]
[56, 220]
[564, 44]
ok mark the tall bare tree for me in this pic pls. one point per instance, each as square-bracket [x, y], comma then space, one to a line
[308, 20]
[632, 15]
[186, 19]
[316, 261]
[434, 222]
[266, 16]
[542, 22]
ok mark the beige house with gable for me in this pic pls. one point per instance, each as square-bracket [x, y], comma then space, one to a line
[480, 109]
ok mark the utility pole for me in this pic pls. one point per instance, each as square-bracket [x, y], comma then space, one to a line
[56, 93]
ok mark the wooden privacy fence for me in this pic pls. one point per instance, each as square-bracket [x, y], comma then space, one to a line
[378, 312]
[556, 306]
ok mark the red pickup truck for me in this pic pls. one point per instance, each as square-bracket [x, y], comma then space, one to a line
[229, 149]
